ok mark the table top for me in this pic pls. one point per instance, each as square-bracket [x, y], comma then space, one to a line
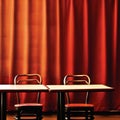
[92, 87]
[12, 87]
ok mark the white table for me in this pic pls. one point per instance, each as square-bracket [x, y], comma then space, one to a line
[61, 89]
[5, 88]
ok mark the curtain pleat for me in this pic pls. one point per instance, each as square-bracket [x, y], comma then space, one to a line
[59, 37]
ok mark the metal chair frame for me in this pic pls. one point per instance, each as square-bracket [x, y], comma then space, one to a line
[28, 109]
[78, 109]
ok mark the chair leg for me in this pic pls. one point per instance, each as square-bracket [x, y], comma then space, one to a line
[39, 115]
[86, 116]
[18, 115]
[92, 114]
[67, 114]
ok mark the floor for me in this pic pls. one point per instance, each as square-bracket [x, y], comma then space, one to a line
[54, 117]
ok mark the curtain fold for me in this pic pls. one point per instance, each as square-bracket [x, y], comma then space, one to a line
[59, 37]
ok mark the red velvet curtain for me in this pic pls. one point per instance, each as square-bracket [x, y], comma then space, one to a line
[59, 37]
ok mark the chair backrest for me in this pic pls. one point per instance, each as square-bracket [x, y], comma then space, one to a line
[27, 79]
[77, 79]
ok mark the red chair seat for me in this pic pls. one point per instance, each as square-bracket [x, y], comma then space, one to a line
[28, 104]
[79, 105]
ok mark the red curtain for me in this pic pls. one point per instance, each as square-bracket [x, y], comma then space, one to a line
[59, 37]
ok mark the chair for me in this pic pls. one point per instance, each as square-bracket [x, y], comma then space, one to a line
[24, 109]
[78, 109]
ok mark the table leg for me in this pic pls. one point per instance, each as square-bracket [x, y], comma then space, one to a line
[3, 106]
[61, 106]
